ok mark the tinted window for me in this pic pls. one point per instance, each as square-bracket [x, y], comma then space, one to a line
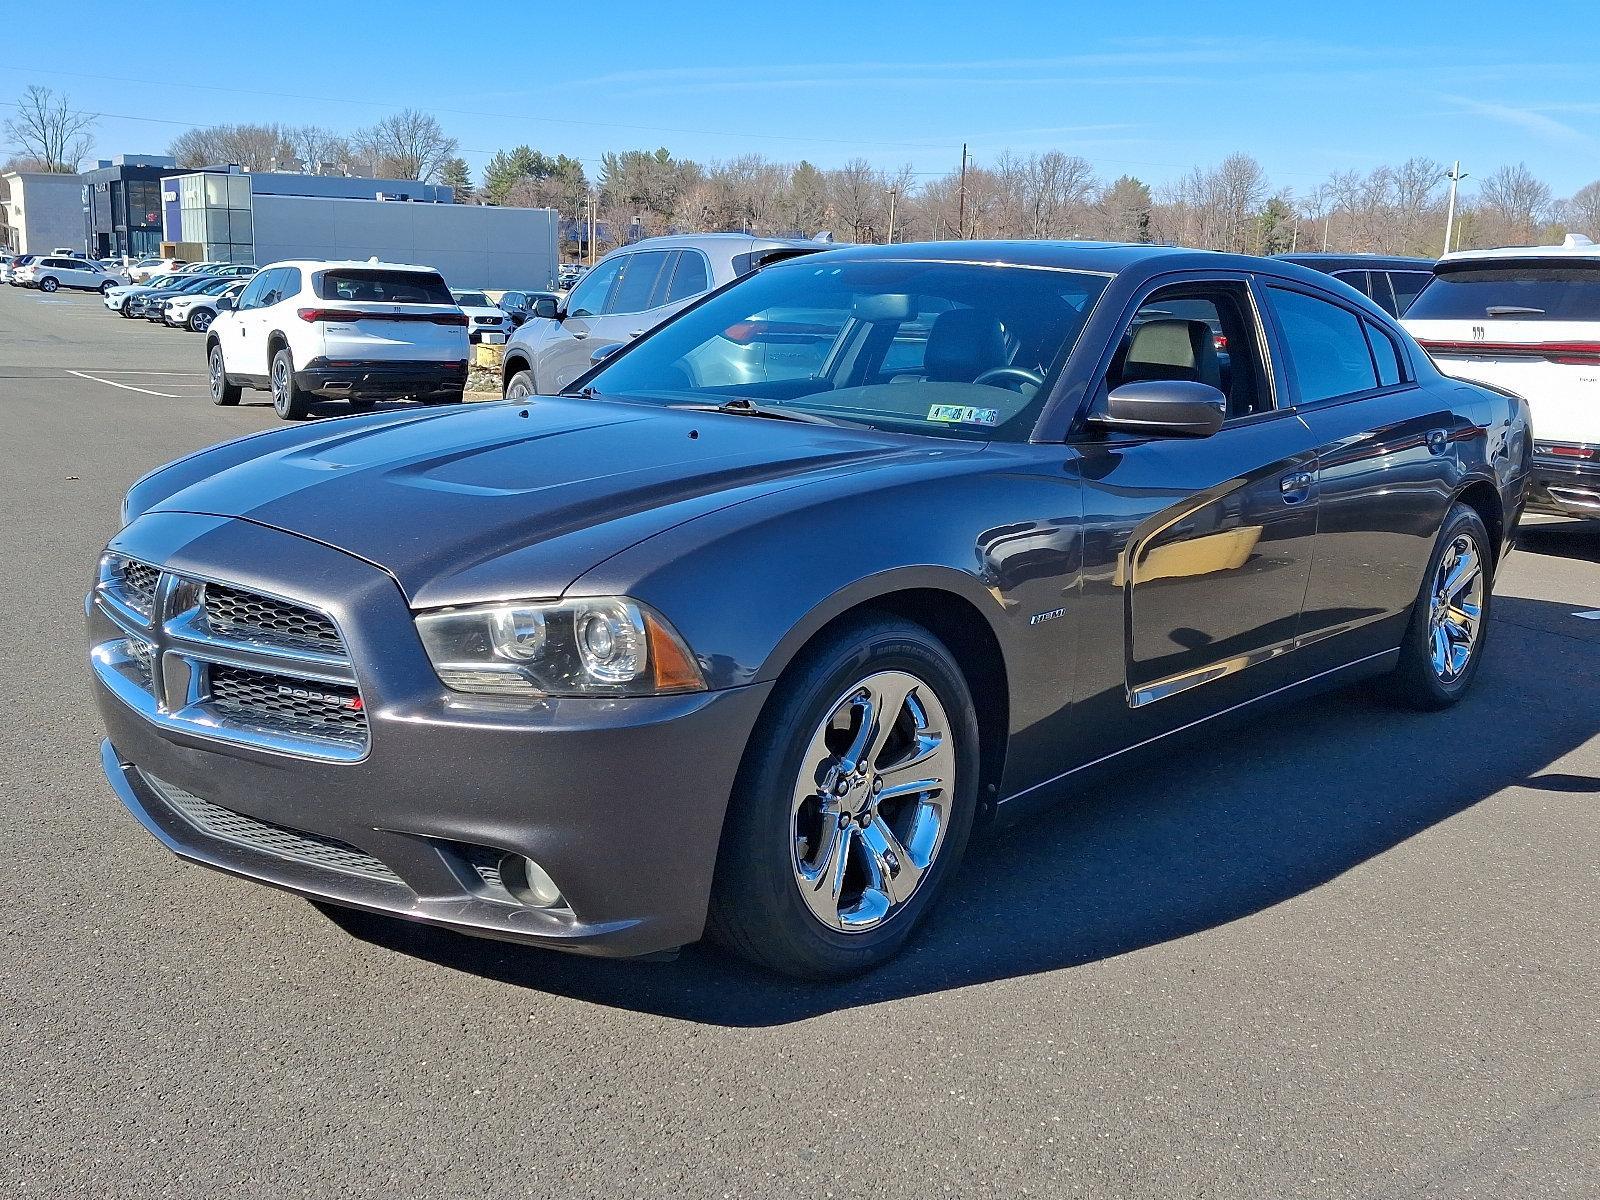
[1406, 285]
[1519, 291]
[1202, 333]
[374, 285]
[1328, 353]
[588, 298]
[1386, 354]
[251, 296]
[817, 338]
[473, 299]
[690, 278]
[640, 273]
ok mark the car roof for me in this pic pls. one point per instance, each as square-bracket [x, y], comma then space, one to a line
[1108, 258]
[325, 264]
[1575, 246]
[1328, 260]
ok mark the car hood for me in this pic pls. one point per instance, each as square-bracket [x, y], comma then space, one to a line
[503, 500]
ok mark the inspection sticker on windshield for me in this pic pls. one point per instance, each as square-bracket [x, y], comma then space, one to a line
[964, 415]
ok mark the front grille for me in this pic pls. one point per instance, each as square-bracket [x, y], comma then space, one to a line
[235, 613]
[288, 703]
[313, 849]
[139, 585]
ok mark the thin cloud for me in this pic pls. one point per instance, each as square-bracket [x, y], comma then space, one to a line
[1531, 120]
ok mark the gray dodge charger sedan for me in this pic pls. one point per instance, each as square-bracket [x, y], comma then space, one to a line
[753, 628]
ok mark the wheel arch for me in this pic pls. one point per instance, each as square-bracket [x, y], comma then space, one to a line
[1484, 498]
[513, 362]
[942, 605]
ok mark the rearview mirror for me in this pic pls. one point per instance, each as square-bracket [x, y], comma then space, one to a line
[1164, 408]
[224, 304]
[546, 307]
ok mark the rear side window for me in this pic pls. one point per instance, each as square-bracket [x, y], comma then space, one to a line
[690, 279]
[1387, 356]
[1406, 285]
[377, 286]
[1513, 291]
[1328, 352]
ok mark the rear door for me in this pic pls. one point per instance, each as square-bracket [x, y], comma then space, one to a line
[1386, 466]
[374, 314]
[1531, 326]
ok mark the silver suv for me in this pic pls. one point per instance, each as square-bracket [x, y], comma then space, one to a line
[629, 292]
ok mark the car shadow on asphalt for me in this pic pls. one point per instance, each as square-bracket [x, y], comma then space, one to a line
[1230, 823]
[1562, 539]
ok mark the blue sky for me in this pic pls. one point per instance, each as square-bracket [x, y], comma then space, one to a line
[1143, 88]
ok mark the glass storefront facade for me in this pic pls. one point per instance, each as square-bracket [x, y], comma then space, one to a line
[214, 210]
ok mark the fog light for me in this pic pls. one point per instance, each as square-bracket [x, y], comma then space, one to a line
[530, 883]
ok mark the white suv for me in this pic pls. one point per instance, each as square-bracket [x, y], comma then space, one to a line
[48, 273]
[356, 331]
[1527, 320]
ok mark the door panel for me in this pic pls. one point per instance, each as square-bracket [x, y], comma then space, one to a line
[1214, 569]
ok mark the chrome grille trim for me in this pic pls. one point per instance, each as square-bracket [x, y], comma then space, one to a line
[163, 668]
[266, 837]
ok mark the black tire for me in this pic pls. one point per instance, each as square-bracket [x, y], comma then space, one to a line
[288, 399]
[520, 386]
[48, 284]
[1418, 681]
[200, 320]
[106, 287]
[757, 909]
[223, 393]
[122, 311]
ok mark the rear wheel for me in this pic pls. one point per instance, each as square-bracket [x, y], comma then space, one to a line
[106, 287]
[223, 393]
[1444, 642]
[290, 401]
[853, 804]
[48, 284]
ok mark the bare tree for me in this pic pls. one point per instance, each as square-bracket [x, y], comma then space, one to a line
[312, 144]
[47, 128]
[1514, 204]
[859, 200]
[1583, 211]
[253, 147]
[408, 145]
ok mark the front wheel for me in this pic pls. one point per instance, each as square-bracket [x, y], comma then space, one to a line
[223, 393]
[1443, 646]
[200, 320]
[288, 399]
[520, 386]
[853, 804]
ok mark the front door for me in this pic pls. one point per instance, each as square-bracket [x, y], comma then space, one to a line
[563, 352]
[245, 348]
[1206, 542]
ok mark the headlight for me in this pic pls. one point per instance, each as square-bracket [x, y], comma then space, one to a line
[602, 646]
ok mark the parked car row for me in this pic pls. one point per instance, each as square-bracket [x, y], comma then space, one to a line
[185, 298]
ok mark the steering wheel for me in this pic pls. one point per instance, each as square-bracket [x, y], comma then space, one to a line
[1015, 374]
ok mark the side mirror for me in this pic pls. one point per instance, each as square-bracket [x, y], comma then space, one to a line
[1164, 408]
[547, 307]
[224, 304]
[600, 353]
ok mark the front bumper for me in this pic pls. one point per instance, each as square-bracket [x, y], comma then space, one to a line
[1565, 488]
[381, 380]
[620, 801]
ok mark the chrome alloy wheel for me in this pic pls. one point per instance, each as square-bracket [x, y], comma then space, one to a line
[280, 381]
[216, 372]
[1455, 609]
[873, 800]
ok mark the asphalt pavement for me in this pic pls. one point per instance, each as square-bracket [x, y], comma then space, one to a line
[1338, 951]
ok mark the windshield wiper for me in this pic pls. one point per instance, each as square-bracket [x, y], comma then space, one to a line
[1513, 310]
[743, 406]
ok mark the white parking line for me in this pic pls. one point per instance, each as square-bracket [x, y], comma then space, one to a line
[125, 386]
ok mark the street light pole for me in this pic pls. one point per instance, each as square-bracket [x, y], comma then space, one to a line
[961, 203]
[1455, 177]
[891, 215]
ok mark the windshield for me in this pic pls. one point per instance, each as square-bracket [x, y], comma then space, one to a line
[949, 349]
[474, 299]
[1511, 291]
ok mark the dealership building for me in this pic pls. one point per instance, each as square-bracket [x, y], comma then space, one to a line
[228, 215]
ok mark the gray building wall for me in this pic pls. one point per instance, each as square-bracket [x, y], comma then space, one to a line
[44, 211]
[472, 246]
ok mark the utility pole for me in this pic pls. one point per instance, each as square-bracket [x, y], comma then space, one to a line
[961, 203]
[1455, 176]
[1327, 217]
[591, 214]
[891, 215]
